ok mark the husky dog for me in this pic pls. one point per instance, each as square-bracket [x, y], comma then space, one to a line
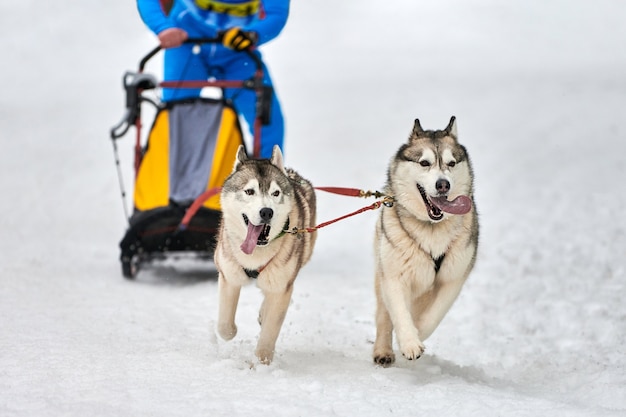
[425, 243]
[261, 200]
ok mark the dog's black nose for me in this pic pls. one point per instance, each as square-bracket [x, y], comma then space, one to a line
[266, 214]
[442, 185]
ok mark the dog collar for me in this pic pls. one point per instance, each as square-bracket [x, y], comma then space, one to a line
[284, 231]
[438, 261]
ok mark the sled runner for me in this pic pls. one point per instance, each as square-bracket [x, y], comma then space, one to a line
[190, 148]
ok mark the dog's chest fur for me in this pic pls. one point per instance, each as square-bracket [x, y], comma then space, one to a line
[405, 231]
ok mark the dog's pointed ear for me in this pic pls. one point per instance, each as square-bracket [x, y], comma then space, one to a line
[451, 129]
[417, 128]
[277, 158]
[242, 156]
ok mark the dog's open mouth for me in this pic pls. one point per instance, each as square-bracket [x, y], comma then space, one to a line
[256, 236]
[436, 206]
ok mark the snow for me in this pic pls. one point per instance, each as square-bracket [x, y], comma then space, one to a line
[539, 92]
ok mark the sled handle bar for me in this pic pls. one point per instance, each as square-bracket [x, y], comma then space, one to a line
[123, 125]
[133, 85]
[198, 41]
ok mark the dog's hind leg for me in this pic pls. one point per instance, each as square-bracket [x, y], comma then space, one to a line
[271, 317]
[229, 297]
[383, 346]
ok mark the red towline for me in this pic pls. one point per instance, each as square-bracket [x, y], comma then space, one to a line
[350, 192]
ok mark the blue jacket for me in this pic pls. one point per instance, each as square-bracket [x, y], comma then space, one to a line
[205, 18]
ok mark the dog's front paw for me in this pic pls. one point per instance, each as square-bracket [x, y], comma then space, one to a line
[227, 331]
[412, 350]
[265, 355]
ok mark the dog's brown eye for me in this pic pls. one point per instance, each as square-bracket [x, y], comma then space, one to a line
[249, 191]
[276, 193]
[425, 163]
[451, 164]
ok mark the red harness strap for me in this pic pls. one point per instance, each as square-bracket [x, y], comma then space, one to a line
[351, 192]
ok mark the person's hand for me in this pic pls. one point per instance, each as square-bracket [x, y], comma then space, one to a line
[172, 38]
[237, 39]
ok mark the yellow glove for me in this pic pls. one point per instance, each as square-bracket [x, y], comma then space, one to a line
[237, 39]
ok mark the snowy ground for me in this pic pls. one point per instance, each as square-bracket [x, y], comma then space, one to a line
[539, 92]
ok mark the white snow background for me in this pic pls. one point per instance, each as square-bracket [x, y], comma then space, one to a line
[539, 91]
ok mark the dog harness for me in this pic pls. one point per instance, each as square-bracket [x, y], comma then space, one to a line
[253, 274]
[438, 262]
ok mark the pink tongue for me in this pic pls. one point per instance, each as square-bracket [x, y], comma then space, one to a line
[460, 205]
[252, 237]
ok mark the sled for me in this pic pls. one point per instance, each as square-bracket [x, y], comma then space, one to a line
[154, 230]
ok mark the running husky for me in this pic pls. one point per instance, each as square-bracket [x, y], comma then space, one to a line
[261, 200]
[425, 244]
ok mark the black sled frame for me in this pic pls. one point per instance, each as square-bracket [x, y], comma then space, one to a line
[155, 234]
